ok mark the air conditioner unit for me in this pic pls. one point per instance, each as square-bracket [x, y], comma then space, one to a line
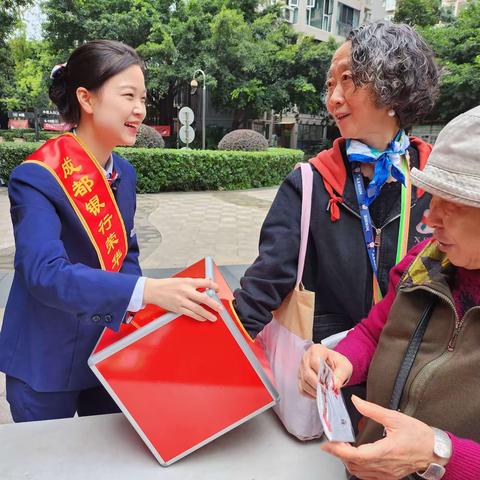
[311, 3]
[293, 3]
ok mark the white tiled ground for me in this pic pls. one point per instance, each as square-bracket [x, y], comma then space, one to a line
[174, 230]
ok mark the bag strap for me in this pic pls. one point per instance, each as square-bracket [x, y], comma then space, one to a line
[307, 187]
[410, 355]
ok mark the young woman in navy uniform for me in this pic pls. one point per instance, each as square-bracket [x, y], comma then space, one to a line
[76, 262]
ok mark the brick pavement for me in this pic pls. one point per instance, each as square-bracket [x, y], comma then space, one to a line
[174, 229]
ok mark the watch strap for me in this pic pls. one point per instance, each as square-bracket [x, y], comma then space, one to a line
[433, 472]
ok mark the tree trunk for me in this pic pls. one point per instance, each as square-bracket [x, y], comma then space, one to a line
[239, 119]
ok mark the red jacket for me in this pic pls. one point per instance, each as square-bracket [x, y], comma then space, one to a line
[330, 165]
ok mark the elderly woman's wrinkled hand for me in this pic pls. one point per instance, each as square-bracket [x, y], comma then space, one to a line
[407, 447]
[313, 359]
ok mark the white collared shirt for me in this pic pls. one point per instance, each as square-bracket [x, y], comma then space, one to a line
[136, 300]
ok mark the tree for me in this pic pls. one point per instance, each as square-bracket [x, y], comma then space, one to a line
[10, 11]
[457, 47]
[252, 65]
[70, 23]
[31, 68]
[418, 12]
[253, 59]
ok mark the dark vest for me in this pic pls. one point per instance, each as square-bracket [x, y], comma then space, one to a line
[443, 388]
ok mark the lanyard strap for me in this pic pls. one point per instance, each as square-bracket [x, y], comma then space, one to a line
[367, 225]
[404, 225]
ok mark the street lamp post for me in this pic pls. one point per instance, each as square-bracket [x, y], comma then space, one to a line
[194, 84]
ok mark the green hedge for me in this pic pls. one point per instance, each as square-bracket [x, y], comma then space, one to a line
[163, 170]
[28, 134]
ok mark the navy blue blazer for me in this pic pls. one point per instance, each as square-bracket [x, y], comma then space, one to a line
[61, 300]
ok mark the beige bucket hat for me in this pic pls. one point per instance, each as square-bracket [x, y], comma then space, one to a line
[453, 168]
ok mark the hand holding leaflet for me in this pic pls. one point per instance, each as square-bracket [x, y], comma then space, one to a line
[331, 408]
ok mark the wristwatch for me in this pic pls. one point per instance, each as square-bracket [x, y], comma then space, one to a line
[442, 448]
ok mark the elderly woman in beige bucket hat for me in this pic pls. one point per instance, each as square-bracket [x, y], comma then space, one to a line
[420, 346]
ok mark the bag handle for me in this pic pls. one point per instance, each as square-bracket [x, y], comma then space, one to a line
[307, 187]
[410, 355]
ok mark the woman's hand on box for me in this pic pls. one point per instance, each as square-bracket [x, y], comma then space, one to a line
[182, 295]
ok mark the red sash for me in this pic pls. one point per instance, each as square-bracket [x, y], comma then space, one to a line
[84, 183]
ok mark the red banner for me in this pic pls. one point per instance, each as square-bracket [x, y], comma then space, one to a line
[57, 127]
[17, 123]
[163, 130]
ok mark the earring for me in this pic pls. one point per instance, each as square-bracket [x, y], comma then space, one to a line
[391, 112]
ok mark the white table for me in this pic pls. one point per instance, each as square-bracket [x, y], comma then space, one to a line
[107, 448]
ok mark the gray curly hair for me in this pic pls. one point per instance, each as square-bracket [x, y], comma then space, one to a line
[398, 65]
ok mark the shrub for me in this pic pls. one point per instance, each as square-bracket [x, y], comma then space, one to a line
[9, 135]
[12, 154]
[162, 170]
[27, 134]
[16, 132]
[29, 137]
[246, 140]
[148, 137]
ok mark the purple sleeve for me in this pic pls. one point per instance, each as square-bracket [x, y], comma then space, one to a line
[465, 461]
[360, 344]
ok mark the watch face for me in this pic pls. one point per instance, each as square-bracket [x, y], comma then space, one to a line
[443, 445]
[442, 450]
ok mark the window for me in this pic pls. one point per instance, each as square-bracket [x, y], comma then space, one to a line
[291, 14]
[368, 16]
[348, 19]
[390, 4]
[320, 15]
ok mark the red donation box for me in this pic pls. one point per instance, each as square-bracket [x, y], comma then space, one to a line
[180, 382]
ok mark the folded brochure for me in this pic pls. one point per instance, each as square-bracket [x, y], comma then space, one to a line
[331, 408]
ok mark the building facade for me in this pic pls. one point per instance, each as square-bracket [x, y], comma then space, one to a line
[386, 8]
[323, 19]
[454, 5]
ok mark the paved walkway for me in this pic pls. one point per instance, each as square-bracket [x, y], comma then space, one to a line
[174, 230]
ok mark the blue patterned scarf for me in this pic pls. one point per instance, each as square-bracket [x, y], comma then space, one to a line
[386, 163]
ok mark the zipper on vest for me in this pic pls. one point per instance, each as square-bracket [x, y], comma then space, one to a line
[458, 328]
[419, 382]
[456, 333]
[443, 297]
[424, 374]
[377, 241]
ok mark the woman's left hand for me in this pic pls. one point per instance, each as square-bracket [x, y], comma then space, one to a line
[407, 447]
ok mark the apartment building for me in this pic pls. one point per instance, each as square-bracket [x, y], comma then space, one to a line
[386, 8]
[455, 5]
[389, 6]
[323, 19]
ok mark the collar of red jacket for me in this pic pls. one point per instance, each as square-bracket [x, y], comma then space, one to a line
[331, 167]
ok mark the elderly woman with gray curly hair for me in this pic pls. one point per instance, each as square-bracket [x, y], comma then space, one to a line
[365, 214]
[420, 346]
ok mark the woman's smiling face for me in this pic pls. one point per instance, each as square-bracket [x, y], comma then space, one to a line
[118, 108]
[354, 108]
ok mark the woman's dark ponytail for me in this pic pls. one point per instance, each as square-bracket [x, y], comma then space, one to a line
[58, 89]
